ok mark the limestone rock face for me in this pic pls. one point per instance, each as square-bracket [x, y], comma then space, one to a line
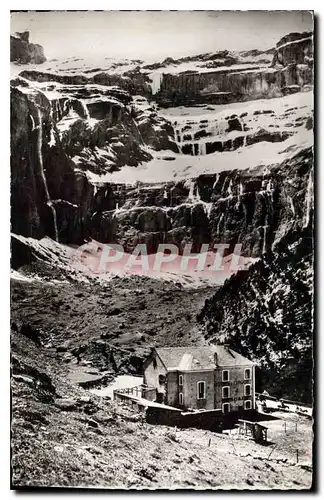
[295, 48]
[55, 141]
[73, 126]
[266, 311]
[230, 77]
[24, 52]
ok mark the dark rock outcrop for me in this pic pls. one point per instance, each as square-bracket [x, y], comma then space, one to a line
[24, 52]
[53, 141]
[295, 48]
[267, 313]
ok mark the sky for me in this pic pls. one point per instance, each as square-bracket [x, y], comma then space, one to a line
[155, 35]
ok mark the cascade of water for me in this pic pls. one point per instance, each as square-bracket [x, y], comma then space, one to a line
[85, 110]
[292, 205]
[216, 181]
[52, 136]
[33, 121]
[264, 238]
[270, 189]
[229, 189]
[40, 162]
[191, 196]
[240, 191]
[308, 200]
[156, 78]
[202, 148]
[219, 223]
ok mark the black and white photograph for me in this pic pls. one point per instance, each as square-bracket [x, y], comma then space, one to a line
[162, 250]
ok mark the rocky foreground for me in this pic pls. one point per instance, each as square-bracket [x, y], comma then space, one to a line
[209, 149]
[64, 436]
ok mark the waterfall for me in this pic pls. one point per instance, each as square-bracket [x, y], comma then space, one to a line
[202, 148]
[52, 137]
[191, 195]
[269, 189]
[291, 205]
[85, 109]
[308, 200]
[156, 78]
[240, 191]
[219, 223]
[216, 181]
[33, 121]
[40, 162]
[194, 197]
[229, 189]
[117, 210]
[208, 208]
[264, 238]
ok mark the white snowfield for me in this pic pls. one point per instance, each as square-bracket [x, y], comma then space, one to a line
[168, 166]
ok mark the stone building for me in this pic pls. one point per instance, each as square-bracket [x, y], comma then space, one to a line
[201, 378]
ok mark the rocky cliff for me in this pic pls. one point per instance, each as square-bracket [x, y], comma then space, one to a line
[226, 77]
[24, 52]
[267, 313]
[64, 145]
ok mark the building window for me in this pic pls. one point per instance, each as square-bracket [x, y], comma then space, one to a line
[226, 407]
[181, 380]
[225, 392]
[162, 379]
[247, 390]
[225, 376]
[180, 398]
[247, 405]
[201, 390]
[247, 374]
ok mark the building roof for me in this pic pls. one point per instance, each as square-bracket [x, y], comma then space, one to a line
[193, 358]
